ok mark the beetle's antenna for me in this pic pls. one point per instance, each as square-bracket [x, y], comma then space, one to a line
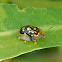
[49, 29]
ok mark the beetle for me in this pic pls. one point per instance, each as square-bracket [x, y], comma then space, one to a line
[30, 33]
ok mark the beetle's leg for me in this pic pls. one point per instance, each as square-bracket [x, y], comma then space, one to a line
[35, 42]
[25, 41]
[19, 37]
[18, 34]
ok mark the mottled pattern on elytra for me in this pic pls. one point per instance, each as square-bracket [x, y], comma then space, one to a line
[29, 33]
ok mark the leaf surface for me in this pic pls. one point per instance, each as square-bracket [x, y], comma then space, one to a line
[12, 19]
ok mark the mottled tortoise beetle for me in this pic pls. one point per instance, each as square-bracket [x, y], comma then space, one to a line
[30, 33]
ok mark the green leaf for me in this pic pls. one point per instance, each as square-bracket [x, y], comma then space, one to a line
[38, 3]
[12, 19]
[44, 55]
[4, 1]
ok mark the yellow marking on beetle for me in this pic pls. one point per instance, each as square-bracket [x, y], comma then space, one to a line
[28, 28]
[29, 31]
[35, 32]
[32, 32]
[23, 30]
[25, 34]
[34, 28]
